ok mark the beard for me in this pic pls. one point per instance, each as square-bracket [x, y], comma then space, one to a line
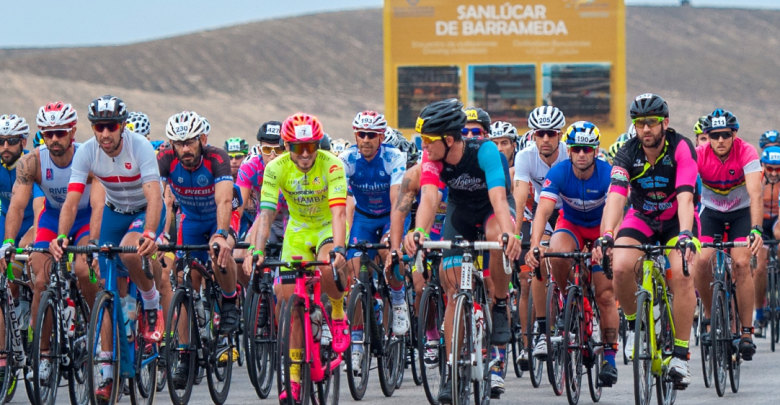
[10, 158]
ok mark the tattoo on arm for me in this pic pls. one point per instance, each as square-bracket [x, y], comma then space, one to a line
[405, 197]
[25, 171]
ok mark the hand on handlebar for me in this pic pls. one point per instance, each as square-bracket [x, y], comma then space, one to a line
[55, 249]
[597, 253]
[224, 250]
[514, 247]
[146, 247]
[756, 243]
[530, 259]
[410, 246]
[249, 263]
[339, 261]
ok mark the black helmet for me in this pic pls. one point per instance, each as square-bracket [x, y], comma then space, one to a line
[474, 114]
[325, 142]
[270, 132]
[649, 105]
[107, 108]
[444, 117]
[720, 119]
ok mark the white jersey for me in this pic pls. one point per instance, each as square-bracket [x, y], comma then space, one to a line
[530, 167]
[122, 176]
[55, 179]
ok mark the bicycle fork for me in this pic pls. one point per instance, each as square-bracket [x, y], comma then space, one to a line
[16, 341]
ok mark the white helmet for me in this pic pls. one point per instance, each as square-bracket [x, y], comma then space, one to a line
[526, 140]
[138, 122]
[631, 131]
[546, 117]
[371, 121]
[255, 151]
[502, 129]
[13, 125]
[339, 145]
[56, 114]
[206, 126]
[184, 125]
[393, 137]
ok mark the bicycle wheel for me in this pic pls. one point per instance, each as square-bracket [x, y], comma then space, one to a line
[103, 314]
[412, 337]
[143, 387]
[664, 384]
[554, 336]
[430, 322]
[326, 391]
[772, 301]
[219, 363]
[594, 357]
[705, 349]
[735, 359]
[390, 364]
[240, 332]
[295, 316]
[643, 351]
[8, 383]
[720, 336]
[180, 327]
[573, 337]
[358, 313]
[261, 347]
[622, 331]
[77, 376]
[462, 347]
[516, 341]
[535, 366]
[482, 388]
[46, 349]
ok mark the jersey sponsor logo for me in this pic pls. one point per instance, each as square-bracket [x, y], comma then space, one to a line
[49, 174]
[58, 190]
[656, 195]
[468, 183]
[334, 168]
[667, 160]
[731, 172]
[303, 131]
[653, 182]
[650, 206]
[202, 181]
[431, 167]
[619, 174]
[138, 223]
[546, 183]
[128, 166]
[638, 163]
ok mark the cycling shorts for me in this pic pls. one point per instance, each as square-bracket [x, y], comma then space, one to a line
[48, 225]
[305, 242]
[27, 223]
[365, 229]
[580, 234]
[468, 224]
[715, 222]
[650, 231]
[114, 227]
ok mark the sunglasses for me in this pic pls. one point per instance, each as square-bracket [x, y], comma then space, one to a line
[59, 133]
[308, 147]
[772, 169]
[369, 135]
[237, 156]
[110, 126]
[649, 121]
[546, 133]
[577, 149]
[426, 139]
[718, 135]
[472, 131]
[267, 150]
[10, 141]
[189, 142]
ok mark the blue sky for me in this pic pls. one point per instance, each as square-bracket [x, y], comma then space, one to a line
[57, 23]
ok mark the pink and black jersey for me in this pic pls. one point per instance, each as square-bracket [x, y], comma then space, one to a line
[723, 182]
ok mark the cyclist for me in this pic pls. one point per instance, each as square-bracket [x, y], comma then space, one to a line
[14, 131]
[138, 122]
[770, 163]
[124, 163]
[374, 172]
[477, 123]
[340, 145]
[701, 136]
[315, 187]
[326, 143]
[477, 177]
[731, 175]
[504, 135]
[582, 183]
[531, 166]
[659, 168]
[769, 138]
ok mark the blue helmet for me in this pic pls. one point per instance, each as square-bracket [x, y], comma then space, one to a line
[768, 137]
[720, 119]
[771, 155]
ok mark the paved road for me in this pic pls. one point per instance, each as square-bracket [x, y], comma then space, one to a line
[760, 379]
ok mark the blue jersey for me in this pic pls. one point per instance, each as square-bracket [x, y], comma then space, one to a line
[370, 181]
[194, 189]
[583, 200]
[7, 180]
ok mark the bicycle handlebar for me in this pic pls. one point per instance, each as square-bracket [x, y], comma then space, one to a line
[648, 249]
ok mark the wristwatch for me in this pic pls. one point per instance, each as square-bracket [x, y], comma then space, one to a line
[759, 228]
[340, 250]
[222, 233]
[150, 235]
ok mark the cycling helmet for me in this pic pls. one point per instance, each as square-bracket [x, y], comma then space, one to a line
[720, 119]
[256, 150]
[631, 131]
[613, 149]
[107, 108]
[768, 137]
[771, 155]
[156, 145]
[526, 140]
[270, 132]
[301, 127]
[648, 105]
[56, 114]
[206, 126]
[444, 117]
[393, 137]
[623, 138]
[184, 125]
[369, 121]
[698, 128]
[410, 149]
[474, 114]
[326, 142]
[138, 122]
[546, 117]
[236, 145]
[502, 129]
[338, 146]
[603, 156]
[14, 125]
[38, 140]
[165, 146]
[583, 133]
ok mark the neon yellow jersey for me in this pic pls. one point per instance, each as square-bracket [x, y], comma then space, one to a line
[309, 195]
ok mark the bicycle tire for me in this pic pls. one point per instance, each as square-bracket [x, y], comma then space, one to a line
[771, 313]
[77, 376]
[735, 359]
[554, 351]
[327, 390]
[261, 356]
[180, 310]
[143, 387]
[48, 312]
[390, 363]
[775, 306]
[358, 307]
[219, 375]
[535, 366]
[705, 349]
[461, 348]
[573, 336]
[594, 383]
[103, 311]
[517, 332]
[7, 388]
[295, 313]
[431, 311]
[240, 332]
[720, 336]
[664, 384]
[643, 375]
[411, 336]
[482, 389]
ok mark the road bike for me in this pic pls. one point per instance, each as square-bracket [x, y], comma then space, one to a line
[16, 321]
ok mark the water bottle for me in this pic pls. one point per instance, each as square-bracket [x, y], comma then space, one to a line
[69, 316]
[588, 312]
[657, 317]
[316, 323]
[131, 304]
[327, 337]
[378, 310]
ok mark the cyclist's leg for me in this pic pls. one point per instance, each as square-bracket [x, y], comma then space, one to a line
[227, 283]
[633, 231]
[80, 235]
[743, 277]
[539, 288]
[759, 285]
[525, 286]
[682, 288]
[711, 224]
[566, 238]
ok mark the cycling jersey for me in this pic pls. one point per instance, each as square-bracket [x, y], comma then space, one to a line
[370, 180]
[122, 176]
[529, 167]
[654, 188]
[583, 200]
[250, 176]
[194, 189]
[724, 181]
[54, 183]
[7, 180]
[769, 194]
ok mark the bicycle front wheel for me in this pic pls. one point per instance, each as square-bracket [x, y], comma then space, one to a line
[720, 336]
[77, 377]
[735, 359]
[222, 354]
[181, 356]
[391, 362]
[517, 331]
[261, 342]
[705, 348]
[432, 358]
[102, 342]
[295, 318]
[143, 387]
[554, 335]
[573, 337]
[643, 350]
[358, 355]
[9, 380]
[45, 354]
[462, 347]
[535, 366]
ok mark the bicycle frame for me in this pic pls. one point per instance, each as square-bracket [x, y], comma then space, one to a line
[652, 280]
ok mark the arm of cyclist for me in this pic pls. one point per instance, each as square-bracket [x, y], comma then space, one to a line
[350, 212]
[22, 191]
[611, 217]
[67, 217]
[520, 193]
[97, 200]
[262, 230]
[426, 213]
[154, 205]
[753, 184]
[543, 212]
[170, 216]
[339, 224]
[685, 213]
[223, 195]
[492, 162]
